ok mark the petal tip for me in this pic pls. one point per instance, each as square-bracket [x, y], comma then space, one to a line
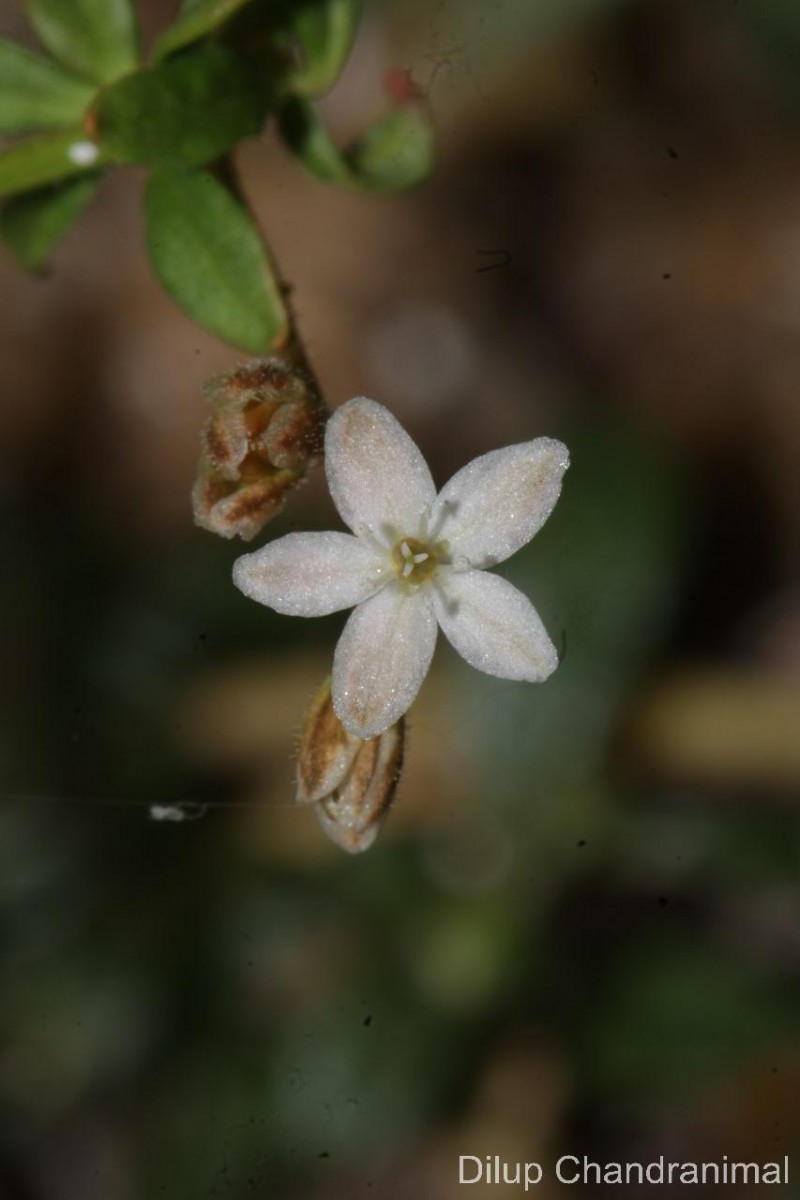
[363, 717]
[546, 667]
[360, 724]
[560, 452]
[240, 573]
[543, 661]
[356, 404]
[555, 450]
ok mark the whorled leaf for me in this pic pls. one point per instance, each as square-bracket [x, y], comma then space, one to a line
[33, 223]
[323, 33]
[197, 19]
[38, 161]
[395, 153]
[97, 38]
[183, 112]
[36, 93]
[208, 255]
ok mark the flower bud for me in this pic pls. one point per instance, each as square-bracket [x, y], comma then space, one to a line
[264, 432]
[349, 781]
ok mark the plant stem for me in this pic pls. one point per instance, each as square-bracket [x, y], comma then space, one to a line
[288, 345]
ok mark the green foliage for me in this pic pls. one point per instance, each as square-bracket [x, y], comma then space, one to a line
[307, 137]
[324, 34]
[34, 222]
[198, 19]
[42, 160]
[208, 255]
[184, 112]
[681, 1014]
[774, 28]
[97, 38]
[36, 93]
[96, 105]
[395, 153]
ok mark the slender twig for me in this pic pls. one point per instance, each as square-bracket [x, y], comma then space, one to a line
[289, 345]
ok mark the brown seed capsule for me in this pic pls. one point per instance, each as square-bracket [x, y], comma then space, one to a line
[264, 432]
[350, 781]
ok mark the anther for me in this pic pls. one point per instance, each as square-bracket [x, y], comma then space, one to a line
[413, 561]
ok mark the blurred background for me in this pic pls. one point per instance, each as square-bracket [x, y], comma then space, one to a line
[579, 931]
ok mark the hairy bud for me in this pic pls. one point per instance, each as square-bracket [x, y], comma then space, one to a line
[349, 781]
[264, 432]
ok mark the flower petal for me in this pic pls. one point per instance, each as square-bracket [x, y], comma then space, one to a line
[493, 626]
[379, 481]
[496, 503]
[382, 658]
[311, 574]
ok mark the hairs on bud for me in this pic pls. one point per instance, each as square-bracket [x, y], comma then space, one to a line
[264, 433]
[350, 781]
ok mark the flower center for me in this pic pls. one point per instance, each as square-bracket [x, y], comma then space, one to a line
[414, 561]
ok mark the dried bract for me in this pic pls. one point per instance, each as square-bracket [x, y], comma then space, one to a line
[264, 432]
[349, 781]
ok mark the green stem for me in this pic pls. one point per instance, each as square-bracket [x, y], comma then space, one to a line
[288, 346]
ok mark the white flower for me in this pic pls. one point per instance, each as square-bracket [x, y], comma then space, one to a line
[414, 561]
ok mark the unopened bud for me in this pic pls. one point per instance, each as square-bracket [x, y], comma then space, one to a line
[349, 781]
[264, 432]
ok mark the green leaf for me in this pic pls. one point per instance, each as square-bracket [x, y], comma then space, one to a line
[97, 38]
[197, 20]
[209, 256]
[307, 137]
[183, 112]
[33, 223]
[396, 152]
[36, 93]
[38, 161]
[324, 33]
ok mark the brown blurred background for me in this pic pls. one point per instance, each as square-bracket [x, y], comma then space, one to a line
[579, 930]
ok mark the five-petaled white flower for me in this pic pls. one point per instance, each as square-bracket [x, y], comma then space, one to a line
[416, 561]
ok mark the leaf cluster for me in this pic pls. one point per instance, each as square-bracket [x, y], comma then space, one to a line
[212, 79]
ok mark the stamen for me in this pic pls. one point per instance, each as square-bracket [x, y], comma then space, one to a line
[413, 560]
